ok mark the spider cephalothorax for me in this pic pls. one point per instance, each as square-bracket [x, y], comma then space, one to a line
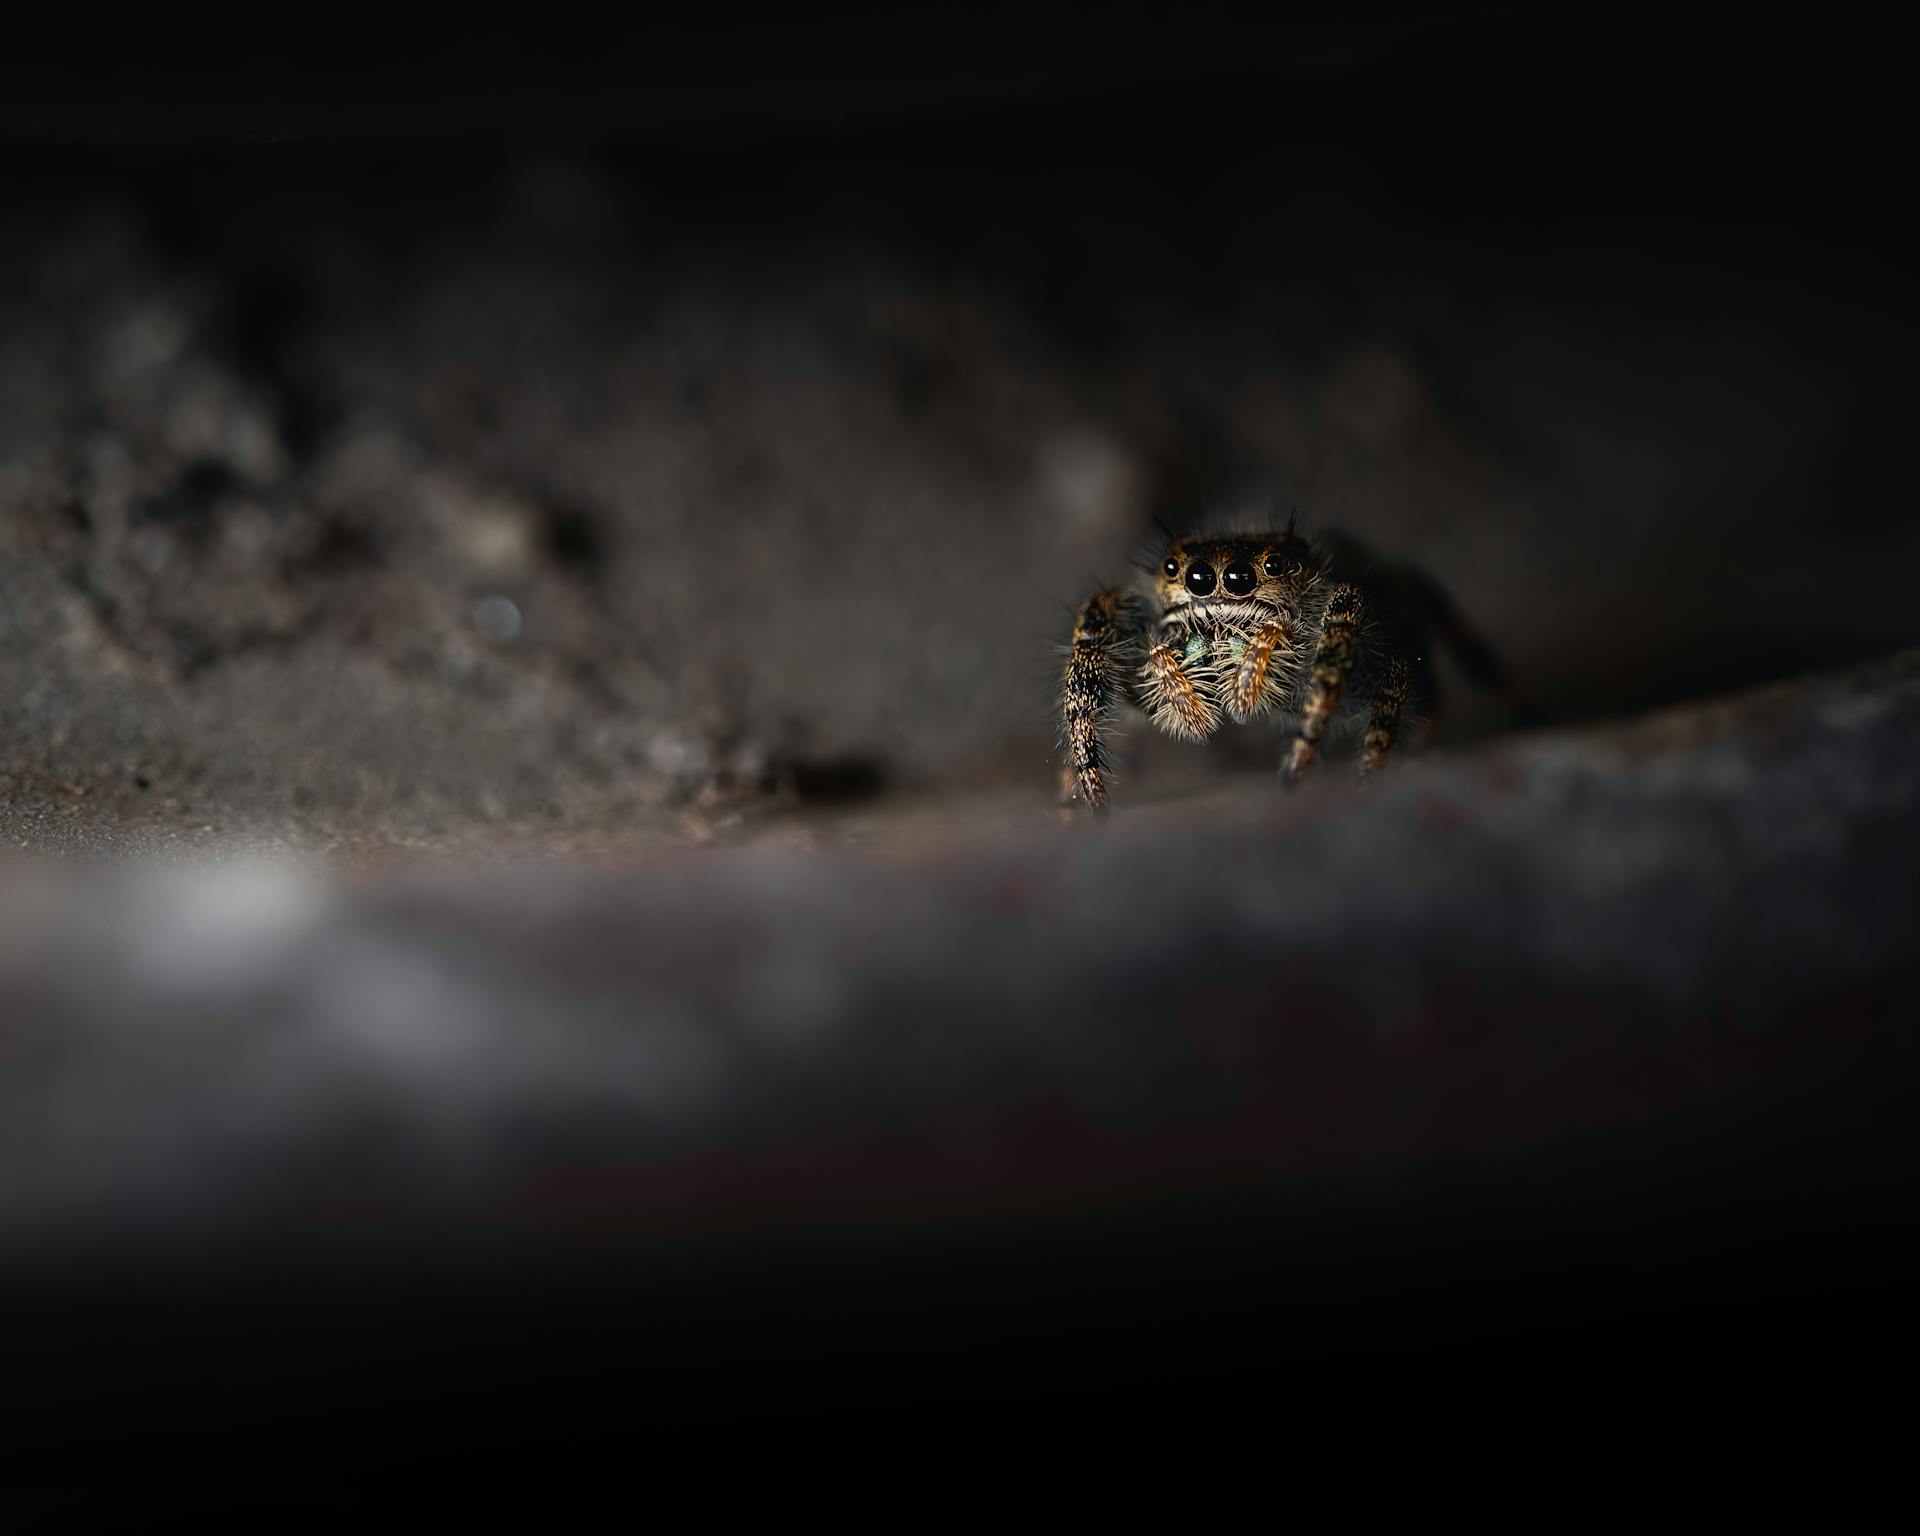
[1242, 626]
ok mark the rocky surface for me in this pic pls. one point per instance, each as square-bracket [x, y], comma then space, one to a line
[415, 502]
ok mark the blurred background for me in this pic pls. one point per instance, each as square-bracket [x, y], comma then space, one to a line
[668, 416]
[566, 452]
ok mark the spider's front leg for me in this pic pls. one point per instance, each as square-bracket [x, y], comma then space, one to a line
[1174, 698]
[1332, 664]
[1258, 681]
[1106, 641]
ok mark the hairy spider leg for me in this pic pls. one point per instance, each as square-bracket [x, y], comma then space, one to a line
[1173, 698]
[1332, 663]
[1383, 716]
[1104, 635]
[1259, 681]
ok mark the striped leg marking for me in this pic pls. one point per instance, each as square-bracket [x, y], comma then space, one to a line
[1169, 694]
[1383, 717]
[1339, 641]
[1260, 678]
[1090, 689]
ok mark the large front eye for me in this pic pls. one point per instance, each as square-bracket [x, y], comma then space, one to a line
[1199, 578]
[1239, 578]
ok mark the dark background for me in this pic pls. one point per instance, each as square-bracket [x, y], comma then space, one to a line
[683, 337]
[791, 380]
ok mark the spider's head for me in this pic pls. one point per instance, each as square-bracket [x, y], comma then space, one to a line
[1262, 570]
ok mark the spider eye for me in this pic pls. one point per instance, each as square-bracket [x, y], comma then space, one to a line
[1272, 565]
[1239, 578]
[1172, 567]
[1200, 578]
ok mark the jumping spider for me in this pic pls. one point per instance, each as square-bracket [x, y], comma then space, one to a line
[1247, 625]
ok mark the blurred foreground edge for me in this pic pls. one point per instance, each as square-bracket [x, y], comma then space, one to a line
[1594, 1051]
